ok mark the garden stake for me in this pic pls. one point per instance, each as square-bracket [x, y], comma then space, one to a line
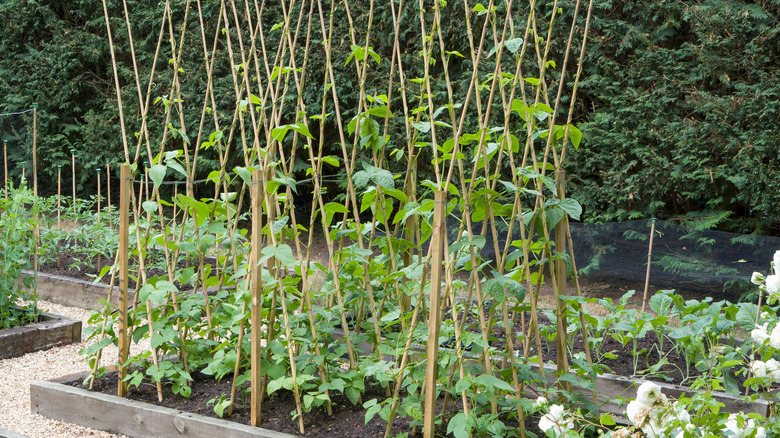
[59, 204]
[5, 164]
[237, 368]
[99, 257]
[35, 149]
[434, 315]
[649, 259]
[98, 194]
[124, 280]
[256, 300]
[108, 192]
[73, 168]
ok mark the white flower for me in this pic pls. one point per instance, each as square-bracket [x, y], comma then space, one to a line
[776, 260]
[653, 427]
[759, 334]
[621, 433]
[773, 370]
[637, 413]
[649, 393]
[555, 420]
[758, 368]
[773, 284]
[682, 413]
[748, 426]
[774, 338]
[541, 401]
[757, 278]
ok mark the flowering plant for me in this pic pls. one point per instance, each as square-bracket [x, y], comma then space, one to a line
[766, 340]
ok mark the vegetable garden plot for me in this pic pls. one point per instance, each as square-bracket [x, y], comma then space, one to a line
[264, 120]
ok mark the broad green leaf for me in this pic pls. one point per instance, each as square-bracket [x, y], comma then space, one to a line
[149, 207]
[459, 425]
[746, 316]
[571, 207]
[514, 44]
[491, 381]
[575, 135]
[157, 174]
[244, 173]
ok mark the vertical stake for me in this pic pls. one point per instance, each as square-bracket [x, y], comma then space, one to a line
[560, 277]
[434, 315]
[5, 164]
[35, 149]
[98, 197]
[73, 164]
[59, 196]
[108, 190]
[255, 274]
[649, 259]
[124, 283]
[59, 208]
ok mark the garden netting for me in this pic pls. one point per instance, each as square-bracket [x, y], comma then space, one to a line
[683, 256]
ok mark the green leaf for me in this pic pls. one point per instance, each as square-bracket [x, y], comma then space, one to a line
[149, 206]
[332, 208]
[244, 173]
[302, 129]
[490, 381]
[746, 316]
[157, 174]
[575, 135]
[607, 420]
[571, 207]
[514, 44]
[459, 426]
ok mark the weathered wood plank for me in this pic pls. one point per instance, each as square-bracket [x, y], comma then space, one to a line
[9, 434]
[72, 292]
[132, 418]
[51, 331]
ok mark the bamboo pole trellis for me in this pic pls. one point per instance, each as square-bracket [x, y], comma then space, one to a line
[487, 139]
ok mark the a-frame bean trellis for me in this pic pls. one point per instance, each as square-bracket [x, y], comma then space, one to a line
[452, 212]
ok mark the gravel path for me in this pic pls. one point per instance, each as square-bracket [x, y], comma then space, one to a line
[17, 373]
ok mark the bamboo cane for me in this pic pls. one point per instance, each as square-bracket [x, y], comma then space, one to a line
[649, 260]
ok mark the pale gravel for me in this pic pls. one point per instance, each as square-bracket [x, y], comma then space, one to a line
[17, 373]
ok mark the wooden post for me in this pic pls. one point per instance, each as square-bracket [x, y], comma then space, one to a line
[560, 278]
[59, 208]
[5, 164]
[98, 194]
[255, 275]
[124, 283]
[108, 190]
[59, 196]
[73, 164]
[434, 315]
[35, 149]
[650, 259]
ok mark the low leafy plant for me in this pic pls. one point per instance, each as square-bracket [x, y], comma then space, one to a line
[17, 245]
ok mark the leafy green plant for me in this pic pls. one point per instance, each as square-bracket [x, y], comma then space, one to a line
[18, 239]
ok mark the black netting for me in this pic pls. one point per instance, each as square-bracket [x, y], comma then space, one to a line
[683, 257]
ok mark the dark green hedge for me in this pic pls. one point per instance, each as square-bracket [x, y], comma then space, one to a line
[678, 103]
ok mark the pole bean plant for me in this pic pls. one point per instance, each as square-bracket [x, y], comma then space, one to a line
[392, 209]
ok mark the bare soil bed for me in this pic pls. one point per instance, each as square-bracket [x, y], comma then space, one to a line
[347, 421]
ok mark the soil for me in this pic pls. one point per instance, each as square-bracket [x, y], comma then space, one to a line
[347, 421]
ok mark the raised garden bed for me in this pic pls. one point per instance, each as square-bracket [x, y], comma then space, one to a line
[9, 434]
[73, 292]
[50, 331]
[59, 400]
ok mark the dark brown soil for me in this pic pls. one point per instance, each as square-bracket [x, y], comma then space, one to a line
[347, 421]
